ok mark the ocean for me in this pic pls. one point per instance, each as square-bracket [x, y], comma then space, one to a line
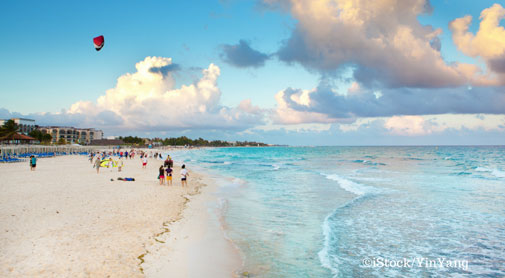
[361, 211]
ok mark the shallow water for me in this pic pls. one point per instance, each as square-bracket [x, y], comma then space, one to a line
[329, 211]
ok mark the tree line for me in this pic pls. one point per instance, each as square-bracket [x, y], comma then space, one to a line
[10, 128]
[43, 137]
[185, 141]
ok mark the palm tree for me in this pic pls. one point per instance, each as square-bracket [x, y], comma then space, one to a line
[8, 130]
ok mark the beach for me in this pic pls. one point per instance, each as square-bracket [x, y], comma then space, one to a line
[196, 245]
[259, 212]
[65, 220]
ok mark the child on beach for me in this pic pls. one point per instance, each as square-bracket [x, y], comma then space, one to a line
[162, 175]
[144, 162]
[169, 176]
[184, 175]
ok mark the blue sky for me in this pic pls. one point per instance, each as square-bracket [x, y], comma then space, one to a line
[51, 43]
[49, 68]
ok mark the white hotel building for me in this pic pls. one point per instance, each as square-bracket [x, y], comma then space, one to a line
[25, 125]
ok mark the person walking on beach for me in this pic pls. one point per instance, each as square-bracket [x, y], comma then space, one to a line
[120, 164]
[162, 175]
[33, 163]
[144, 162]
[97, 164]
[168, 177]
[184, 176]
[170, 162]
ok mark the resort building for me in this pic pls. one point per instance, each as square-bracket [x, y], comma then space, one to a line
[25, 125]
[72, 134]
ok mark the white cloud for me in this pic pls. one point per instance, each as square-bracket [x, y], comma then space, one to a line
[147, 99]
[285, 114]
[430, 124]
[382, 39]
[489, 41]
[407, 125]
[324, 104]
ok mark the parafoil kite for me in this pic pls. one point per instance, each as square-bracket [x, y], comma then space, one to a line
[98, 42]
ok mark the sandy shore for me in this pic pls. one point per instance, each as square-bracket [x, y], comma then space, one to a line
[196, 245]
[64, 220]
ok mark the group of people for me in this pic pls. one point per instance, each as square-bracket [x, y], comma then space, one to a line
[166, 172]
[125, 154]
[104, 159]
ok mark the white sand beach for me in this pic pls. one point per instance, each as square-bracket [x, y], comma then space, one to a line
[195, 246]
[65, 220]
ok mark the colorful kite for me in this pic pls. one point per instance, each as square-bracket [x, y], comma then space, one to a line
[98, 42]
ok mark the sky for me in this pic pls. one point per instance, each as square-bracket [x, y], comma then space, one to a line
[296, 72]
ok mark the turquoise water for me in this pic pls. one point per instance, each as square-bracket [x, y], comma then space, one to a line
[330, 211]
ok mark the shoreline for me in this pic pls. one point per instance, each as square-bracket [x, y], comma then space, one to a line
[195, 245]
[65, 220]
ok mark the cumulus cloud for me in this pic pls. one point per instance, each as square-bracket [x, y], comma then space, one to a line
[432, 130]
[242, 55]
[285, 114]
[323, 104]
[407, 125]
[381, 39]
[489, 41]
[147, 101]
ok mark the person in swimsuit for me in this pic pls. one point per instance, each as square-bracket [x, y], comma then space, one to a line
[144, 162]
[184, 176]
[162, 175]
[169, 175]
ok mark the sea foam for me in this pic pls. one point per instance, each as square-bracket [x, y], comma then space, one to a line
[328, 260]
[353, 187]
[324, 255]
[495, 172]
